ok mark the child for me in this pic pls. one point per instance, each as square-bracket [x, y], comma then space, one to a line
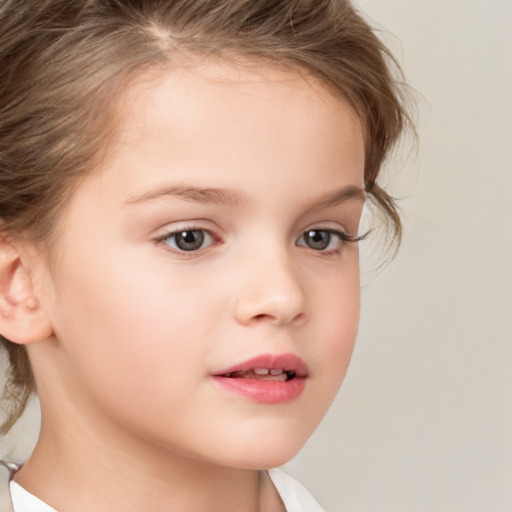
[181, 188]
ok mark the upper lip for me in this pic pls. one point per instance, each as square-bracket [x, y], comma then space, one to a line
[286, 362]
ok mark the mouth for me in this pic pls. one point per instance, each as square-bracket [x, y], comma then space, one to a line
[267, 379]
[273, 374]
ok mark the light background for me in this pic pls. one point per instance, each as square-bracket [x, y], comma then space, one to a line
[424, 419]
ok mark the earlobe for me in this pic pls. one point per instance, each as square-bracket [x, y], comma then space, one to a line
[22, 320]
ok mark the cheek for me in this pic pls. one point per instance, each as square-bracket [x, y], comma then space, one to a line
[121, 329]
[135, 349]
[336, 324]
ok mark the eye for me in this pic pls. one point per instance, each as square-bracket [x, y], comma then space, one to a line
[325, 240]
[318, 239]
[188, 240]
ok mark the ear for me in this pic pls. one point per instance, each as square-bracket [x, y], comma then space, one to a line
[22, 320]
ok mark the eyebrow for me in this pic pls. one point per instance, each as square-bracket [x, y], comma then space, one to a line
[232, 197]
[192, 194]
[336, 197]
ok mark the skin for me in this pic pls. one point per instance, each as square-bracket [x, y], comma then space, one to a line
[138, 327]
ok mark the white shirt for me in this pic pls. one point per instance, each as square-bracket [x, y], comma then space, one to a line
[294, 496]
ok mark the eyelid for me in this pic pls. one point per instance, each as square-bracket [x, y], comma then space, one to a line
[343, 235]
[180, 227]
[335, 229]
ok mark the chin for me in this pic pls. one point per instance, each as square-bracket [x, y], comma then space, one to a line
[267, 451]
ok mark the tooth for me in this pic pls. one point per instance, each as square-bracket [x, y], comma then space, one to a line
[261, 371]
[276, 371]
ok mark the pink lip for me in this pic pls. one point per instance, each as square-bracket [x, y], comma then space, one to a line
[266, 391]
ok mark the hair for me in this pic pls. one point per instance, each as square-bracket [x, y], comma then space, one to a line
[64, 62]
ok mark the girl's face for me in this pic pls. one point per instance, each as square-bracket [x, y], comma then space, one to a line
[204, 298]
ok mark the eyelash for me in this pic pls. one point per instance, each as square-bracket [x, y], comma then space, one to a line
[169, 235]
[343, 237]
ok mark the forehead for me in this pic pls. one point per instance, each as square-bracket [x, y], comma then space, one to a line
[231, 123]
[212, 93]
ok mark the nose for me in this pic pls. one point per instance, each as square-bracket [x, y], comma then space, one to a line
[270, 291]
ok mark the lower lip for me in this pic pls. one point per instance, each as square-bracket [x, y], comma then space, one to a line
[264, 391]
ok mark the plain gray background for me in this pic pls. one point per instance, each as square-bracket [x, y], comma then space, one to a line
[424, 419]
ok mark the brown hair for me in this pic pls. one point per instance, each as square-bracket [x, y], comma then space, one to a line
[63, 61]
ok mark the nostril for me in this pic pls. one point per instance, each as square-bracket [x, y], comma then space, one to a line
[271, 308]
[300, 317]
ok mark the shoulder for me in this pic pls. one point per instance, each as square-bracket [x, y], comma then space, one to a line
[23, 501]
[295, 496]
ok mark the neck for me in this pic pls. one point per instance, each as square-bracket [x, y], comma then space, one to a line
[76, 470]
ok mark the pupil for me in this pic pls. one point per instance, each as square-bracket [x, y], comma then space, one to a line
[189, 240]
[188, 237]
[318, 239]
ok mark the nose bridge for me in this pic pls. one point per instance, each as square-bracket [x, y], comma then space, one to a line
[270, 288]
